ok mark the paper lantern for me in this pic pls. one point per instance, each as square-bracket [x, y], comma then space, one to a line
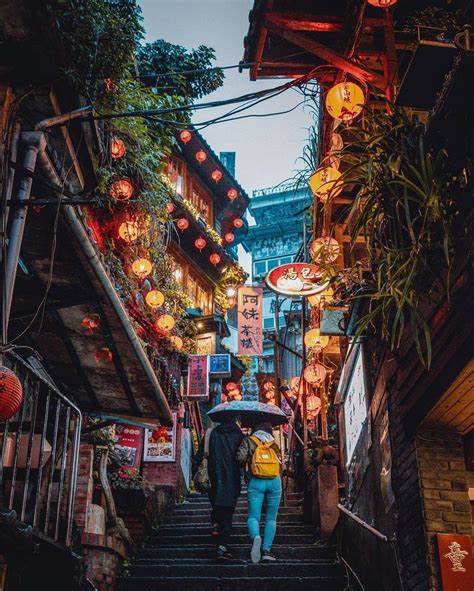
[165, 323]
[315, 374]
[200, 243]
[216, 175]
[215, 258]
[131, 229]
[314, 300]
[313, 405]
[90, 322]
[296, 385]
[238, 222]
[345, 101]
[11, 393]
[154, 299]
[117, 148]
[231, 386]
[229, 237]
[314, 340]
[177, 342]
[325, 183]
[382, 3]
[121, 189]
[269, 386]
[324, 250]
[182, 224]
[185, 136]
[142, 268]
[231, 296]
[170, 207]
[201, 156]
[103, 354]
[232, 194]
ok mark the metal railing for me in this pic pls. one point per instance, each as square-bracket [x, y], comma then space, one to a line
[39, 452]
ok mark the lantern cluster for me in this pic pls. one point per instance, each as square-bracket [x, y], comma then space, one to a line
[232, 391]
[269, 392]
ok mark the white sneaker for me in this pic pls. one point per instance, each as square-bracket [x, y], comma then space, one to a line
[255, 551]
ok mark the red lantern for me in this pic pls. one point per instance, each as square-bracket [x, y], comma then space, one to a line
[238, 222]
[121, 190]
[182, 224]
[231, 386]
[200, 243]
[117, 148]
[109, 85]
[232, 194]
[215, 258]
[201, 156]
[90, 322]
[170, 207]
[185, 136]
[216, 175]
[11, 393]
[103, 354]
[382, 3]
[229, 237]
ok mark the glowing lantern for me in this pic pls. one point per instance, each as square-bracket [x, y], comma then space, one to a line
[296, 385]
[142, 268]
[170, 207]
[314, 300]
[11, 393]
[231, 386]
[215, 258]
[103, 354]
[232, 194]
[314, 340]
[231, 296]
[270, 394]
[382, 3]
[313, 405]
[325, 182]
[238, 222]
[324, 250]
[200, 243]
[201, 156]
[344, 101]
[90, 322]
[315, 374]
[177, 342]
[229, 237]
[182, 224]
[131, 229]
[185, 136]
[121, 190]
[117, 148]
[165, 323]
[216, 175]
[154, 299]
[269, 386]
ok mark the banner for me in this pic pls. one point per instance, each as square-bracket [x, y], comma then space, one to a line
[129, 445]
[160, 443]
[249, 320]
[297, 280]
[198, 377]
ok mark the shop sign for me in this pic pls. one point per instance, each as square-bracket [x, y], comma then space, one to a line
[297, 280]
[456, 561]
[206, 343]
[198, 377]
[355, 406]
[129, 445]
[249, 320]
[160, 443]
[219, 365]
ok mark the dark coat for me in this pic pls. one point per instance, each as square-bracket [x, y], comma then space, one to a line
[224, 471]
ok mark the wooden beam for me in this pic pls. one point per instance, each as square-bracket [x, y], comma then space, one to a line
[262, 37]
[330, 56]
[306, 21]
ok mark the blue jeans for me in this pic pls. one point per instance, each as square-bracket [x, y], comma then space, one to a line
[258, 490]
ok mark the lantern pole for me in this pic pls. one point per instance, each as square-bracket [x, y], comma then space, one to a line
[303, 358]
[276, 350]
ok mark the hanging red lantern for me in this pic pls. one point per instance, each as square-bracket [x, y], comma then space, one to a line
[11, 393]
[170, 207]
[315, 374]
[238, 222]
[121, 189]
[200, 243]
[215, 258]
[182, 224]
[90, 322]
[117, 148]
[201, 156]
[229, 237]
[103, 354]
[232, 194]
[382, 3]
[142, 268]
[185, 136]
[231, 386]
[216, 175]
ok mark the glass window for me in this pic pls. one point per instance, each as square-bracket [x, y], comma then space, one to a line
[201, 202]
[272, 264]
[260, 268]
[200, 295]
[176, 174]
[286, 260]
[178, 272]
[268, 323]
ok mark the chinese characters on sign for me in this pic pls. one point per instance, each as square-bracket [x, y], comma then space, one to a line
[456, 561]
[129, 445]
[198, 377]
[297, 280]
[219, 365]
[249, 320]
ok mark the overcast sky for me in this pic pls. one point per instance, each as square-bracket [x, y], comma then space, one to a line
[267, 148]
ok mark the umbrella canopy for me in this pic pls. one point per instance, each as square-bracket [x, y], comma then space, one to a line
[249, 412]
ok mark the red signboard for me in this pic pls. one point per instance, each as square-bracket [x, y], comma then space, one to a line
[198, 377]
[457, 564]
[129, 445]
[249, 320]
[297, 280]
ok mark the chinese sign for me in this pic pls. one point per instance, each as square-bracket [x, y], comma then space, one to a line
[456, 561]
[129, 445]
[198, 377]
[219, 365]
[297, 280]
[160, 443]
[355, 406]
[249, 320]
[206, 344]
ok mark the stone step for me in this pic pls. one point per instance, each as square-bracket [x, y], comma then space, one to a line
[180, 519]
[239, 510]
[242, 503]
[177, 540]
[187, 529]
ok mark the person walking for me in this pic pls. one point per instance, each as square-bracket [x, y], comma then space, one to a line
[262, 454]
[224, 475]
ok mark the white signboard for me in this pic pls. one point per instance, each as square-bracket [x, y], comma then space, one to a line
[355, 406]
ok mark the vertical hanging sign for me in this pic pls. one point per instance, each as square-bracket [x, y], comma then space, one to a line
[198, 377]
[249, 320]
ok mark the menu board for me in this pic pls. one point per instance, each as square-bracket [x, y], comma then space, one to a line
[160, 443]
[129, 445]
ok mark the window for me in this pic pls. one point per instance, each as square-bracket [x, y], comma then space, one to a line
[260, 268]
[201, 201]
[176, 175]
[178, 272]
[200, 295]
[268, 323]
[272, 264]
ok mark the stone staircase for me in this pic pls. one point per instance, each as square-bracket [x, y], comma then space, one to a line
[180, 555]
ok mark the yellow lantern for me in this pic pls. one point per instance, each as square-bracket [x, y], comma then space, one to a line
[326, 182]
[315, 374]
[315, 300]
[177, 342]
[142, 268]
[165, 323]
[324, 250]
[154, 299]
[314, 340]
[345, 101]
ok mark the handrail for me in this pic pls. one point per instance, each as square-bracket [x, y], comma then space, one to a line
[364, 524]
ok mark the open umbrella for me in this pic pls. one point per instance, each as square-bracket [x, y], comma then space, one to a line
[249, 412]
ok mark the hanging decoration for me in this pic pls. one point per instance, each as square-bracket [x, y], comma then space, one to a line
[200, 243]
[142, 268]
[154, 299]
[325, 183]
[182, 224]
[177, 342]
[231, 296]
[296, 385]
[325, 250]
[238, 222]
[229, 237]
[121, 190]
[201, 156]
[314, 340]
[117, 148]
[216, 175]
[103, 354]
[170, 207]
[313, 406]
[165, 323]
[132, 228]
[315, 300]
[185, 136]
[382, 3]
[11, 393]
[90, 322]
[231, 386]
[249, 320]
[315, 374]
[232, 194]
[215, 258]
[345, 101]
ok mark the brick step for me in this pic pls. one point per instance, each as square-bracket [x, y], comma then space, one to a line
[177, 539]
[205, 529]
[180, 519]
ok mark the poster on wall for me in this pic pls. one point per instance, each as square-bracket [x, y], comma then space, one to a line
[456, 561]
[355, 406]
[129, 445]
[249, 320]
[185, 456]
[198, 377]
[160, 443]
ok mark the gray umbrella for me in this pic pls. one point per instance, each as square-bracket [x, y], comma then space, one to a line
[249, 412]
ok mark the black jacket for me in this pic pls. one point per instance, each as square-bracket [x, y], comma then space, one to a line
[224, 471]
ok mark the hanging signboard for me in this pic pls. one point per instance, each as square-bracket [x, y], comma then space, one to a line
[249, 320]
[297, 280]
[355, 406]
[160, 443]
[129, 445]
[198, 377]
[456, 561]
[219, 366]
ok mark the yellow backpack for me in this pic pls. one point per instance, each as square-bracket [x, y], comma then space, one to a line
[265, 463]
